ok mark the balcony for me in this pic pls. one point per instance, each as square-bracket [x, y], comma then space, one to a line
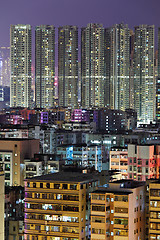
[120, 226]
[98, 236]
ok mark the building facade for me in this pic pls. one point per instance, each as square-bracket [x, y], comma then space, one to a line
[56, 206]
[81, 155]
[143, 162]
[92, 66]
[144, 82]
[68, 66]
[118, 159]
[32, 168]
[117, 60]
[158, 81]
[45, 66]
[12, 154]
[20, 53]
[154, 213]
[2, 204]
[118, 211]
[5, 68]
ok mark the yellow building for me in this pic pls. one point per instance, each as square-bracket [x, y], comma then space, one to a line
[118, 211]
[2, 203]
[119, 161]
[57, 206]
[154, 210]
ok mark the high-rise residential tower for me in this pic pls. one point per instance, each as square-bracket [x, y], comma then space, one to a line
[44, 66]
[5, 70]
[68, 66]
[131, 73]
[20, 43]
[92, 66]
[144, 83]
[117, 60]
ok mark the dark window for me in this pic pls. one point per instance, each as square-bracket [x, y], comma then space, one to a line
[14, 229]
[73, 186]
[56, 186]
[139, 178]
[64, 186]
[34, 185]
[47, 185]
[41, 185]
[44, 196]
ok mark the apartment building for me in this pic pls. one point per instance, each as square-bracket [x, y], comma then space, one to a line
[143, 162]
[2, 203]
[154, 210]
[82, 155]
[33, 167]
[119, 160]
[20, 54]
[13, 151]
[118, 211]
[57, 206]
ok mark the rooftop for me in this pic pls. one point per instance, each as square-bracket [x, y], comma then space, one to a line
[17, 139]
[65, 177]
[110, 190]
[129, 183]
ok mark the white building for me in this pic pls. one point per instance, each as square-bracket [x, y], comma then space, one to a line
[32, 168]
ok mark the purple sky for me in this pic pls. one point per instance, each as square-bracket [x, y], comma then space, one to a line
[74, 12]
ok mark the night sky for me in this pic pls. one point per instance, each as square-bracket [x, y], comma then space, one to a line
[74, 12]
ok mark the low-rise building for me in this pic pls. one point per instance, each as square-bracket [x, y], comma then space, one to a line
[33, 167]
[46, 136]
[143, 162]
[79, 126]
[82, 155]
[118, 159]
